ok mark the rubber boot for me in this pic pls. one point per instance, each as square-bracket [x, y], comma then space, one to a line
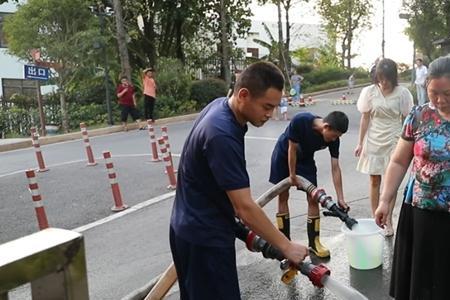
[315, 246]
[283, 224]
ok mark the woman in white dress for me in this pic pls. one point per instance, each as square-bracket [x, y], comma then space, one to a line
[383, 107]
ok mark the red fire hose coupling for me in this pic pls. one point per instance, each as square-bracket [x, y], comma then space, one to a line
[317, 273]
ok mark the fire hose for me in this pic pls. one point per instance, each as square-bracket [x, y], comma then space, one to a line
[316, 193]
[319, 275]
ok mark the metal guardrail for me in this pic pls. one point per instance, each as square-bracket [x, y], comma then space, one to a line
[52, 260]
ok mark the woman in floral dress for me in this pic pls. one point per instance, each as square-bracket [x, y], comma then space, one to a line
[421, 256]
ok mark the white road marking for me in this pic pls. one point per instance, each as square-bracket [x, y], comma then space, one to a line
[100, 158]
[125, 212]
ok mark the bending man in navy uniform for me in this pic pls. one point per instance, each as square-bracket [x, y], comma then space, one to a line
[213, 187]
[294, 155]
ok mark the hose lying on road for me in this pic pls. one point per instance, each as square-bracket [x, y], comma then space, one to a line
[317, 194]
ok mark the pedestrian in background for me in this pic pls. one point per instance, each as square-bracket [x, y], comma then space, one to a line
[421, 76]
[296, 82]
[149, 93]
[293, 155]
[421, 254]
[351, 84]
[213, 187]
[127, 101]
[372, 71]
[383, 107]
[284, 107]
[233, 82]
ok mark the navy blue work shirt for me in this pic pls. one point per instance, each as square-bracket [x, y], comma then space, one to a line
[212, 162]
[300, 131]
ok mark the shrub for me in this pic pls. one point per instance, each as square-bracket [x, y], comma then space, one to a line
[323, 75]
[204, 91]
[167, 106]
[89, 114]
[172, 80]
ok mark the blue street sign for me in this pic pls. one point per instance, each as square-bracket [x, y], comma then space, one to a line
[35, 72]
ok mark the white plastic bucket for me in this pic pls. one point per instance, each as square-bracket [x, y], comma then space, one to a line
[364, 244]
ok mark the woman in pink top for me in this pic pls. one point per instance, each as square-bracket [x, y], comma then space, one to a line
[149, 93]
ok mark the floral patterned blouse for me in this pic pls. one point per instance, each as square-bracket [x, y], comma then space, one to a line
[431, 163]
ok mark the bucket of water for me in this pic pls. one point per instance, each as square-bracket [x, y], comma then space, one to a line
[364, 244]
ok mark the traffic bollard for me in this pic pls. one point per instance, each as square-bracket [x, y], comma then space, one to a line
[169, 167]
[165, 135]
[87, 144]
[118, 203]
[37, 200]
[37, 149]
[151, 133]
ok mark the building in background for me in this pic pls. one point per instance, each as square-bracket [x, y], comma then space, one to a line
[302, 36]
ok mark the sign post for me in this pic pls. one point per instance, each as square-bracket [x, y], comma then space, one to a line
[38, 73]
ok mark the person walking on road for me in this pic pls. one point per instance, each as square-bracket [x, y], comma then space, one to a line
[127, 102]
[213, 187]
[296, 81]
[421, 76]
[383, 107]
[421, 261]
[149, 84]
[294, 155]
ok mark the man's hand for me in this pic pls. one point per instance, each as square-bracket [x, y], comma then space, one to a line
[295, 182]
[296, 252]
[343, 205]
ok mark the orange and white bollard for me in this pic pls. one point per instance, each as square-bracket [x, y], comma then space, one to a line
[169, 167]
[37, 149]
[151, 133]
[165, 135]
[87, 144]
[37, 200]
[118, 203]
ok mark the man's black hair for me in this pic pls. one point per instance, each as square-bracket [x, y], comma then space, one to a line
[337, 120]
[259, 77]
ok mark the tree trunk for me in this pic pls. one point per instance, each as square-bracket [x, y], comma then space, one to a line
[282, 61]
[288, 38]
[349, 34]
[64, 113]
[149, 40]
[343, 49]
[122, 40]
[225, 57]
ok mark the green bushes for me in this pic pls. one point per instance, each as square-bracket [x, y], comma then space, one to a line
[204, 91]
[16, 121]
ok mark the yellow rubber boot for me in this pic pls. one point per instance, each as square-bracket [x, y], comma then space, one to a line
[283, 224]
[315, 246]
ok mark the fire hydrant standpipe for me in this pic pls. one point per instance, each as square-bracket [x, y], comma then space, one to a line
[319, 275]
[317, 194]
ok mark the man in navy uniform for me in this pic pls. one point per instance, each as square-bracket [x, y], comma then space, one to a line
[294, 155]
[213, 187]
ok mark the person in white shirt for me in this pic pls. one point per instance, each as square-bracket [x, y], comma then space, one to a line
[421, 75]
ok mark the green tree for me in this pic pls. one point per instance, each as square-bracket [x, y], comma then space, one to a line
[343, 19]
[64, 32]
[429, 21]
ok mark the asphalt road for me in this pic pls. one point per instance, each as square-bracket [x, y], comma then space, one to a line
[125, 253]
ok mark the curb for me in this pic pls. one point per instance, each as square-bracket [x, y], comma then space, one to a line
[93, 132]
[117, 128]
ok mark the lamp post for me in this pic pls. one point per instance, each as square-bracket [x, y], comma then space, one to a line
[102, 11]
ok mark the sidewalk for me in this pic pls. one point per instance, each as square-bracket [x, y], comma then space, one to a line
[19, 143]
